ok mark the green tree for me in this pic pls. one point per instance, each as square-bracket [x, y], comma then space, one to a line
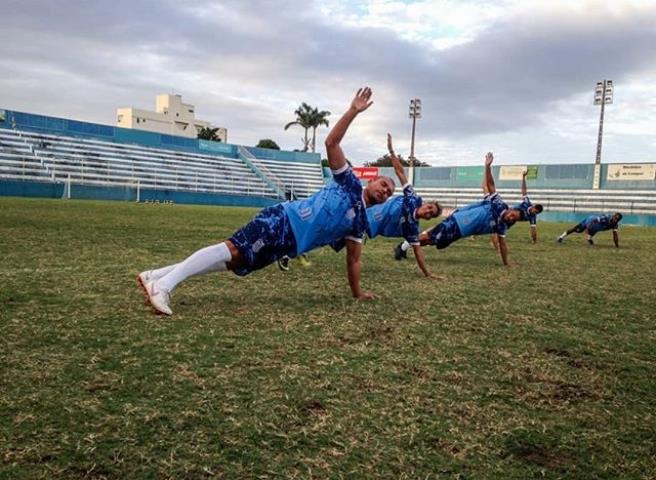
[317, 119]
[207, 133]
[267, 143]
[386, 161]
[308, 117]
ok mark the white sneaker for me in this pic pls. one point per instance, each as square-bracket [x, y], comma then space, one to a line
[145, 278]
[159, 298]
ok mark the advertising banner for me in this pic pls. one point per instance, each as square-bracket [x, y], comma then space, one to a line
[366, 173]
[631, 172]
[515, 172]
[469, 173]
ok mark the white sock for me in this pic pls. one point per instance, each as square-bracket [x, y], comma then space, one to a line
[405, 246]
[160, 272]
[205, 260]
[564, 234]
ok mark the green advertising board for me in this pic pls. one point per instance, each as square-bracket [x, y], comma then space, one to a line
[532, 173]
[3, 115]
[469, 173]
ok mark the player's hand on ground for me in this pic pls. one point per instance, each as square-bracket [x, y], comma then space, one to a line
[361, 101]
[433, 276]
[489, 158]
[367, 296]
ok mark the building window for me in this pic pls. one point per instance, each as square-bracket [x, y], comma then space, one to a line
[191, 111]
[120, 118]
[177, 114]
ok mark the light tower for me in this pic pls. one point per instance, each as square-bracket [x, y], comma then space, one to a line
[414, 114]
[603, 95]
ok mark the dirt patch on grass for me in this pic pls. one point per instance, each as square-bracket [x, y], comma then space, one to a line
[312, 407]
[542, 456]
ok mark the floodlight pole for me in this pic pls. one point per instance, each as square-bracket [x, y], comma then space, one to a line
[603, 95]
[601, 124]
[415, 113]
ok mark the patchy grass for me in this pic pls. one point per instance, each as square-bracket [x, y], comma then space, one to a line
[543, 370]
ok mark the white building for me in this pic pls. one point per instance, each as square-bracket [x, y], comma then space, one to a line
[171, 117]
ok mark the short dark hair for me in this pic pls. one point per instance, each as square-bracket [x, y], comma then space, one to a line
[618, 215]
[538, 207]
[438, 206]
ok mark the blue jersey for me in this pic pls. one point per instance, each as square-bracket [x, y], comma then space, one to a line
[396, 217]
[599, 223]
[335, 212]
[524, 206]
[483, 217]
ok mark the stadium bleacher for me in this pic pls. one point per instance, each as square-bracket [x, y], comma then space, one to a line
[47, 150]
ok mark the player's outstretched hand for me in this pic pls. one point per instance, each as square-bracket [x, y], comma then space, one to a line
[367, 296]
[362, 100]
[489, 158]
[432, 276]
[390, 148]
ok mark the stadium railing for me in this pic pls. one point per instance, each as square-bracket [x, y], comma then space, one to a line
[559, 200]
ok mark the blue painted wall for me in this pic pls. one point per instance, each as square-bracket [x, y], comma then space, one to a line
[91, 192]
[624, 185]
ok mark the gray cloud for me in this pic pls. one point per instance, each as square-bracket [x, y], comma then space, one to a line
[247, 65]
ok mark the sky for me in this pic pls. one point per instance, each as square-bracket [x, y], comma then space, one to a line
[515, 77]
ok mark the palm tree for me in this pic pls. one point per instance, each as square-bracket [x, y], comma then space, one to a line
[303, 117]
[309, 118]
[318, 118]
[207, 133]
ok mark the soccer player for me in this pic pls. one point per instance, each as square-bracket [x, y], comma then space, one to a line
[492, 215]
[594, 224]
[529, 211]
[291, 228]
[399, 216]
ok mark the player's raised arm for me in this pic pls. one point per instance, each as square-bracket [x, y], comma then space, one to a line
[489, 179]
[524, 189]
[336, 158]
[353, 266]
[396, 162]
[484, 187]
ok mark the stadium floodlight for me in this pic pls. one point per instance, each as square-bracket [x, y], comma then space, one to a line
[603, 96]
[414, 114]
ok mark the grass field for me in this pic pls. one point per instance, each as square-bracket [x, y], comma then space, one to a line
[544, 370]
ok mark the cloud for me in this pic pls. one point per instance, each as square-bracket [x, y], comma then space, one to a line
[508, 72]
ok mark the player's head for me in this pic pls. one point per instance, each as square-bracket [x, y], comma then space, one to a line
[617, 216]
[512, 215]
[378, 190]
[429, 210]
[535, 209]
